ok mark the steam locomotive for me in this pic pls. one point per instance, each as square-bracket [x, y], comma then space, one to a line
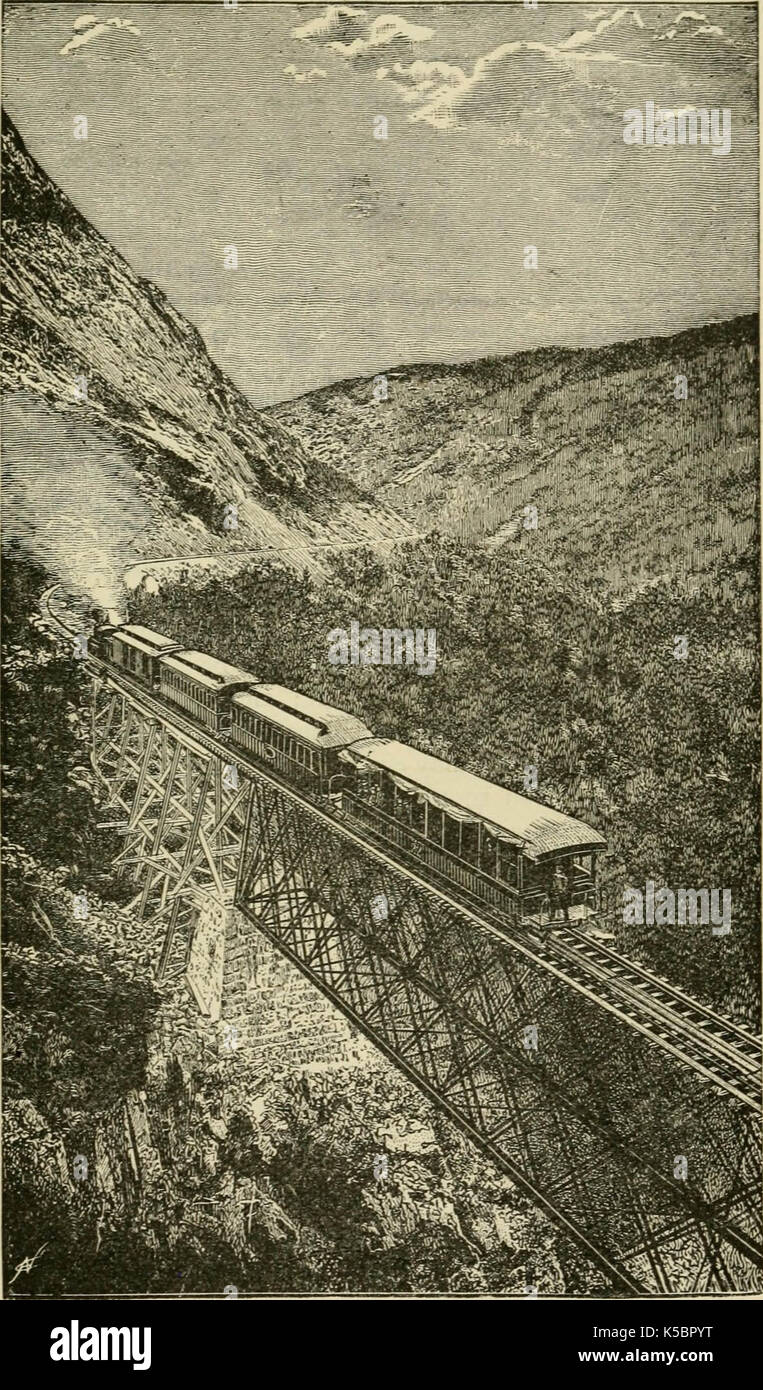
[530, 862]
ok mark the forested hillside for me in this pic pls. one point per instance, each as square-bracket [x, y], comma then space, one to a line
[659, 753]
[630, 480]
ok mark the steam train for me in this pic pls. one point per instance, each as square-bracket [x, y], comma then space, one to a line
[527, 861]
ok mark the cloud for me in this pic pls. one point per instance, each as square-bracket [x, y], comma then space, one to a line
[348, 32]
[423, 81]
[542, 95]
[545, 91]
[513, 79]
[705, 26]
[386, 31]
[88, 28]
[624, 37]
[311, 76]
[588, 37]
[337, 21]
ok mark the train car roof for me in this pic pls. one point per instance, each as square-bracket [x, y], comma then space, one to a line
[144, 638]
[208, 670]
[324, 726]
[540, 830]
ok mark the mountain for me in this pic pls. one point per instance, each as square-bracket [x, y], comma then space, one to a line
[629, 481]
[174, 427]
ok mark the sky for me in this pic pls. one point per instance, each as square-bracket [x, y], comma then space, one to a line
[254, 127]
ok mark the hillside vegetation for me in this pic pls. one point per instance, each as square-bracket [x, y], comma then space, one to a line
[629, 482]
[557, 642]
[659, 753]
[141, 1155]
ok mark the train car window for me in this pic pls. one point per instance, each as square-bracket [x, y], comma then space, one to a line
[469, 842]
[508, 865]
[451, 834]
[387, 794]
[538, 877]
[488, 855]
[434, 825]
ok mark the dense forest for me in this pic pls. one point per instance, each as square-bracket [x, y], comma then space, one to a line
[140, 1154]
[658, 751]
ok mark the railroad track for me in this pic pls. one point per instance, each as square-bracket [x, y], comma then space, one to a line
[722, 1050]
[725, 1054]
[54, 620]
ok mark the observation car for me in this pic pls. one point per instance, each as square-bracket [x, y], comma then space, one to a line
[203, 686]
[134, 649]
[533, 863]
[296, 735]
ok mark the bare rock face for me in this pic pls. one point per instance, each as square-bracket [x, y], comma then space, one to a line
[97, 360]
[73, 307]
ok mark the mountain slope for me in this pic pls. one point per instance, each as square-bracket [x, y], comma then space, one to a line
[629, 482]
[73, 307]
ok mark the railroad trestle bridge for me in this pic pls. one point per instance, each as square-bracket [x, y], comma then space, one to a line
[629, 1117]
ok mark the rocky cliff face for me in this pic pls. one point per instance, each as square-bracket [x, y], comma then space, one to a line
[73, 307]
